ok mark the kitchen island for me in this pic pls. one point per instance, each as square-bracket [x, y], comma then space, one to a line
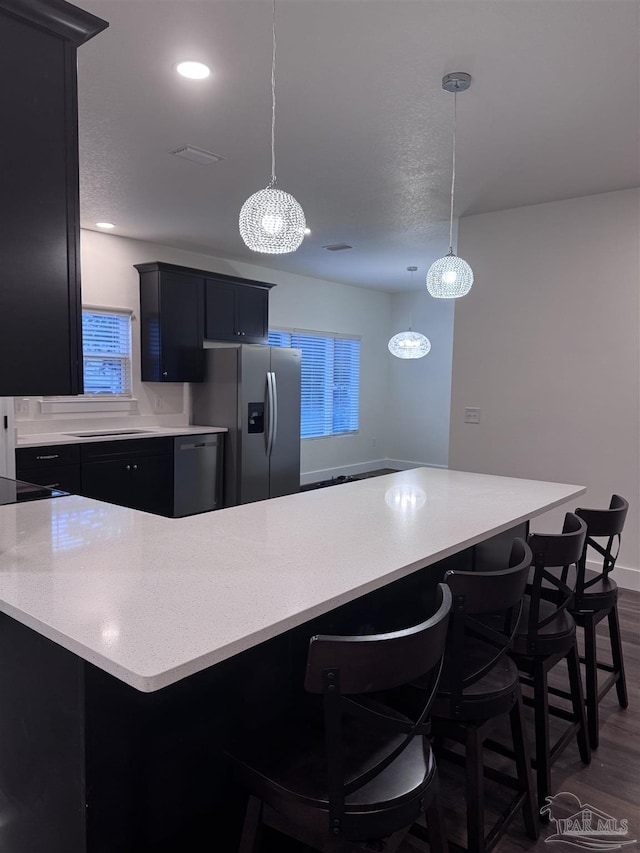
[132, 644]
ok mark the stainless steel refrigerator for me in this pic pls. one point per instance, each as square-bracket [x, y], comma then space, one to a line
[254, 391]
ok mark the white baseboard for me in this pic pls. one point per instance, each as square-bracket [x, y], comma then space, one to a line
[405, 464]
[626, 577]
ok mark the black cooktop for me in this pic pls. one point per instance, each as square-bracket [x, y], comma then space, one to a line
[16, 491]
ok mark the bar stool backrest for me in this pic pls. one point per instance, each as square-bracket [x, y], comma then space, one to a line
[373, 662]
[601, 524]
[499, 593]
[345, 669]
[553, 551]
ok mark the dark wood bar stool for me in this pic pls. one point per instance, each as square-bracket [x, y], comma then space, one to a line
[596, 597]
[349, 770]
[546, 636]
[479, 684]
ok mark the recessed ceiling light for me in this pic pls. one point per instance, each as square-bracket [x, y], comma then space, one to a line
[106, 225]
[307, 231]
[193, 70]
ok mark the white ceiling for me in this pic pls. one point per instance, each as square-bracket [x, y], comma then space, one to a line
[363, 127]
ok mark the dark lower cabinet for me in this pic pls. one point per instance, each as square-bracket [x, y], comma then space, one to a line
[56, 466]
[65, 477]
[39, 239]
[136, 474]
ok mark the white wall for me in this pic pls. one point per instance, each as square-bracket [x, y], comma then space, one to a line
[547, 346]
[109, 279]
[419, 393]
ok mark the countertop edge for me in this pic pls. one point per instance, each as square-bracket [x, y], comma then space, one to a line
[50, 438]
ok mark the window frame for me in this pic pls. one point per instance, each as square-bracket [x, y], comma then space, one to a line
[97, 402]
[126, 358]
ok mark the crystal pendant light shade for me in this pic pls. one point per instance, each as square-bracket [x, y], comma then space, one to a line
[272, 222]
[409, 344]
[449, 277]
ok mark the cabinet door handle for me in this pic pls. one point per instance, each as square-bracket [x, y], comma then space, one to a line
[135, 467]
[128, 467]
[50, 456]
[165, 373]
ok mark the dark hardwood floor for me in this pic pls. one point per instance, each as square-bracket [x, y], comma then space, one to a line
[611, 783]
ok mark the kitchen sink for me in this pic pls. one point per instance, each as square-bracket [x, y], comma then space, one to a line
[110, 432]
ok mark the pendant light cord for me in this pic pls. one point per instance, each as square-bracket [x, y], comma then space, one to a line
[273, 97]
[453, 171]
[410, 310]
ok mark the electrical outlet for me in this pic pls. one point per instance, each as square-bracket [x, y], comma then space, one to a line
[471, 415]
[20, 407]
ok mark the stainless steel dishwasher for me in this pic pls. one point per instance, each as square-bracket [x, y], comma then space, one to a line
[197, 473]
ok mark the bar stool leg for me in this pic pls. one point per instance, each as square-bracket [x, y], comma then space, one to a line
[543, 746]
[475, 791]
[436, 827]
[251, 830]
[521, 754]
[577, 698]
[616, 654]
[591, 679]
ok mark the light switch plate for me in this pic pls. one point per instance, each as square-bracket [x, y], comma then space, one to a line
[471, 415]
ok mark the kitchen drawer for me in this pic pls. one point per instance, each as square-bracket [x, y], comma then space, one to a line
[134, 448]
[47, 456]
[65, 477]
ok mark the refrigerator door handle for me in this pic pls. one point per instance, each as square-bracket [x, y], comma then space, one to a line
[274, 420]
[270, 412]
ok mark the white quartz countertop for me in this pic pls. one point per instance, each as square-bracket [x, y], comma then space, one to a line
[83, 436]
[151, 600]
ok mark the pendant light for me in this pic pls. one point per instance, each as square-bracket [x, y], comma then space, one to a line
[409, 344]
[271, 220]
[451, 277]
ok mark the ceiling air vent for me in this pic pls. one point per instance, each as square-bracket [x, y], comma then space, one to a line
[196, 155]
[337, 247]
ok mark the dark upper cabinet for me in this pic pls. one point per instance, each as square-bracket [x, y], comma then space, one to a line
[171, 324]
[181, 306]
[236, 311]
[40, 302]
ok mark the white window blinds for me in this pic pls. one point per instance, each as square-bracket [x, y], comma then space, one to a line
[330, 381]
[106, 347]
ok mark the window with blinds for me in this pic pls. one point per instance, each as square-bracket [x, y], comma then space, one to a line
[106, 347]
[330, 381]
